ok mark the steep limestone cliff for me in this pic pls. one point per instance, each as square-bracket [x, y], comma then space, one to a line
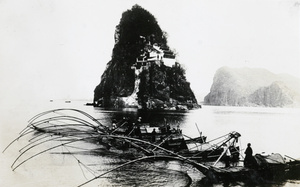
[253, 87]
[275, 95]
[143, 71]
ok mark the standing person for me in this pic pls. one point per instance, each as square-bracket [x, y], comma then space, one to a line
[248, 158]
[153, 135]
[138, 130]
[227, 155]
[168, 129]
[235, 155]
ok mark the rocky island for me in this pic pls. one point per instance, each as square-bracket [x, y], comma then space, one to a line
[143, 71]
[253, 87]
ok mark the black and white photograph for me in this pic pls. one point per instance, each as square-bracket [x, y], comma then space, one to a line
[149, 93]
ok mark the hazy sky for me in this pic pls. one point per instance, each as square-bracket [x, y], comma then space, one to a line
[58, 49]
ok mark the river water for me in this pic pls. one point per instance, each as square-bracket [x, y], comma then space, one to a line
[269, 130]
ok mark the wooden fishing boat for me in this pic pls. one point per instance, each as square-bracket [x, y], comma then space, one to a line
[174, 140]
[264, 169]
[164, 136]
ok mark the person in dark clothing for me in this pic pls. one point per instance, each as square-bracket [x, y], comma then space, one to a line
[168, 129]
[153, 135]
[248, 161]
[138, 131]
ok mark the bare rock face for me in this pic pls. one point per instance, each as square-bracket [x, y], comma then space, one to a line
[275, 95]
[143, 71]
[253, 87]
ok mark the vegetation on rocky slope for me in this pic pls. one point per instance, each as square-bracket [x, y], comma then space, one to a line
[163, 86]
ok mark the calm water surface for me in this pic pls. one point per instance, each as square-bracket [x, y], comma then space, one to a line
[269, 130]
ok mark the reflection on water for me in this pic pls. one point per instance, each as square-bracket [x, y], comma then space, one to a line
[153, 117]
[150, 174]
[268, 129]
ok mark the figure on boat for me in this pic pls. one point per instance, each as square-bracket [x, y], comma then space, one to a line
[249, 159]
[226, 155]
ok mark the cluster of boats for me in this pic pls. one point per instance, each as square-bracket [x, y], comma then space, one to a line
[142, 135]
[155, 142]
[208, 156]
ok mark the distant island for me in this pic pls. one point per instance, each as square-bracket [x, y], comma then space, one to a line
[143, 71]
[253, 87]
